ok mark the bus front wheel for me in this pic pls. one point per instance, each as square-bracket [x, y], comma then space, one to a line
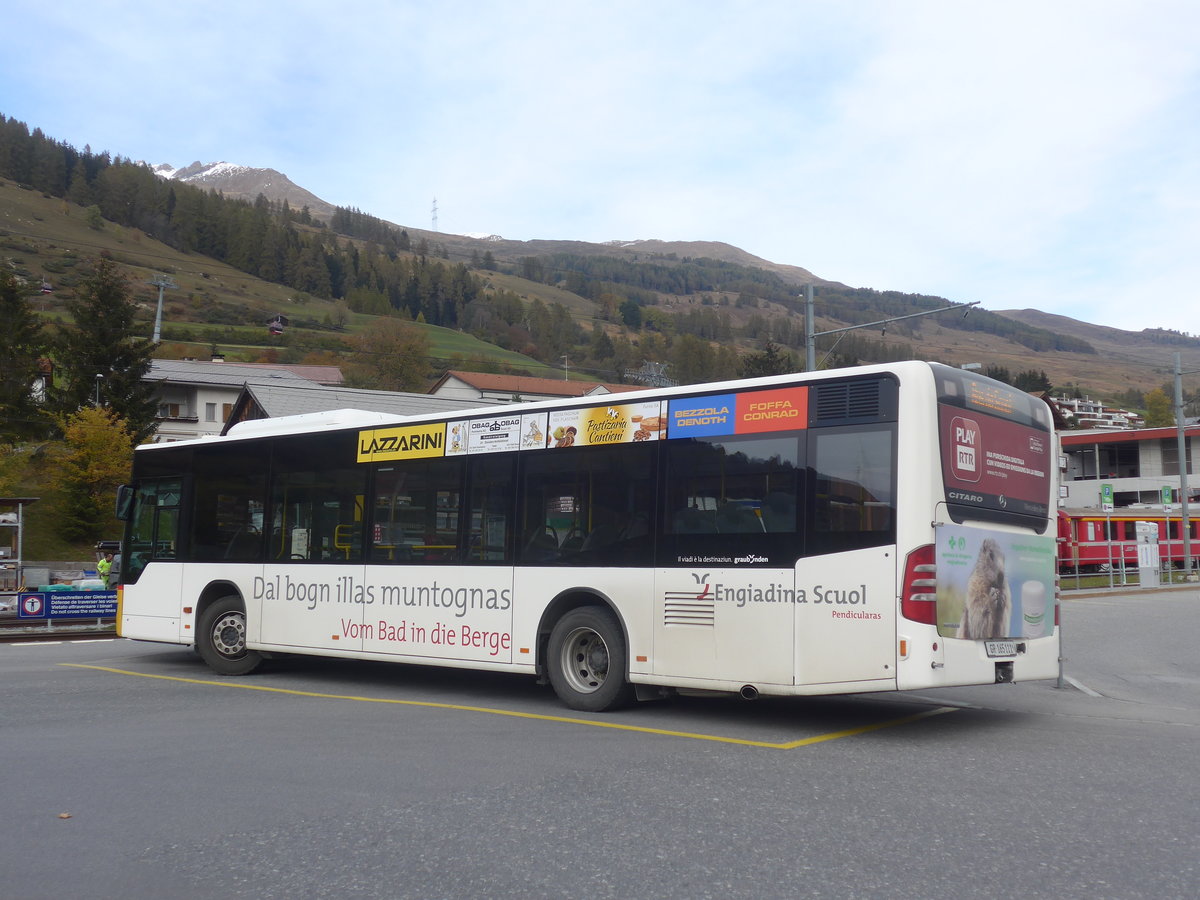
[221, 639]
[587, 659]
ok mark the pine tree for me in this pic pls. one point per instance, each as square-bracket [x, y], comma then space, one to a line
[769, 362]
[21, 347]
[102, 358]
[79, 191]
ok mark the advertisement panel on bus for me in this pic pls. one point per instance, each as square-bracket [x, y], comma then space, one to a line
[993, 584]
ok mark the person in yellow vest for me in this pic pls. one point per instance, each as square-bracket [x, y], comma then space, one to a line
[104, 568]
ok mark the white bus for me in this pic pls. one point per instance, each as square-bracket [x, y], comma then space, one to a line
[874, 529]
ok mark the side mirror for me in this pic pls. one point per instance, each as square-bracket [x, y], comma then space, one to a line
[125, 495]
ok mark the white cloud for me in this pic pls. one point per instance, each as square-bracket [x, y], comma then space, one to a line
[1019, 153]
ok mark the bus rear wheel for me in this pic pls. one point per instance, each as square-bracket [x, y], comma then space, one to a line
[587, 660]
[221, 638]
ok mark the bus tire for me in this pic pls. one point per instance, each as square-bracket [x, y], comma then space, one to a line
[586, 660]
[221, 638]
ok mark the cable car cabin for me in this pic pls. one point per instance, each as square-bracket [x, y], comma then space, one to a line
[1093, 541]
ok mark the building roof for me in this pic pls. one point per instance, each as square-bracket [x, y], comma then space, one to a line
[264, 400]
[1107, 436]
[199, 371]
[528, 384]
[327, 375]
[191, 371]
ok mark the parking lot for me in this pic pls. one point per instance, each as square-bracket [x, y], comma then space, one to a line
[135, 772]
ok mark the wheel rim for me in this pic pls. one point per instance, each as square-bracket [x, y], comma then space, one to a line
[585, 660]
[229, 635]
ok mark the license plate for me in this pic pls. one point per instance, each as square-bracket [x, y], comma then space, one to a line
[1000, 648]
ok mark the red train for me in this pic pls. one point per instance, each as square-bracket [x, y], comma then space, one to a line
[1091, 541]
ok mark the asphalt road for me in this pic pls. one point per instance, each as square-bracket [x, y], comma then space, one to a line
[131, 771]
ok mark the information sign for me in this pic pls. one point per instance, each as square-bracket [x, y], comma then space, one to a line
[1106, 497]
[67, 604]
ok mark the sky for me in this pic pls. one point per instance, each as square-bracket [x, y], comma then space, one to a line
[1020, 154]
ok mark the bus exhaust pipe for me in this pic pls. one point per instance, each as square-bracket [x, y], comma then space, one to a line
[748, 692]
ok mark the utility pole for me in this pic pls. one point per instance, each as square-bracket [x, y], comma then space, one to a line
[435, 214]
[1181, 440]
[160, 281]
[811, 335]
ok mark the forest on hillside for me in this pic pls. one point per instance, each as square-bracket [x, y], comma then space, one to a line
[377, 269]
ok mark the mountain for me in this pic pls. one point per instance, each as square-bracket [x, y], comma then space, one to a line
[246, 183]
[1117, 351]
[607, 307]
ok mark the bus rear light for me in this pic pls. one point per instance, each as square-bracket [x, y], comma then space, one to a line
[918, 601]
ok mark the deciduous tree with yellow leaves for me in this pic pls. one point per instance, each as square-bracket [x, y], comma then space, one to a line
[97, 451]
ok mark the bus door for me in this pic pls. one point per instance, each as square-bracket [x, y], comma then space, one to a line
[313, 586]
[149, 560]
[439, 578]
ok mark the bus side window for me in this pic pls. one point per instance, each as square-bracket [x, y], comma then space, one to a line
[491, 481]
[317, 500]
[228, 498]
[853, 488]
[733, 495]
[588, 506]
[415, 511]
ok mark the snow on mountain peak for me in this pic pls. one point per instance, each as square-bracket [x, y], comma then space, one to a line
[199, 171]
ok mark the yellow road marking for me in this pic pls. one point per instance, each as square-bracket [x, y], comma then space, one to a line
[566, 720]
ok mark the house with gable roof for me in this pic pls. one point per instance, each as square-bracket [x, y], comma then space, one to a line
[196, 397]
[489, 388]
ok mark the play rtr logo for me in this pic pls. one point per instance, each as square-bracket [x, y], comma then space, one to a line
[965, 449]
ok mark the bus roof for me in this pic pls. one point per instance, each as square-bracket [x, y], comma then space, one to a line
[357, 418]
